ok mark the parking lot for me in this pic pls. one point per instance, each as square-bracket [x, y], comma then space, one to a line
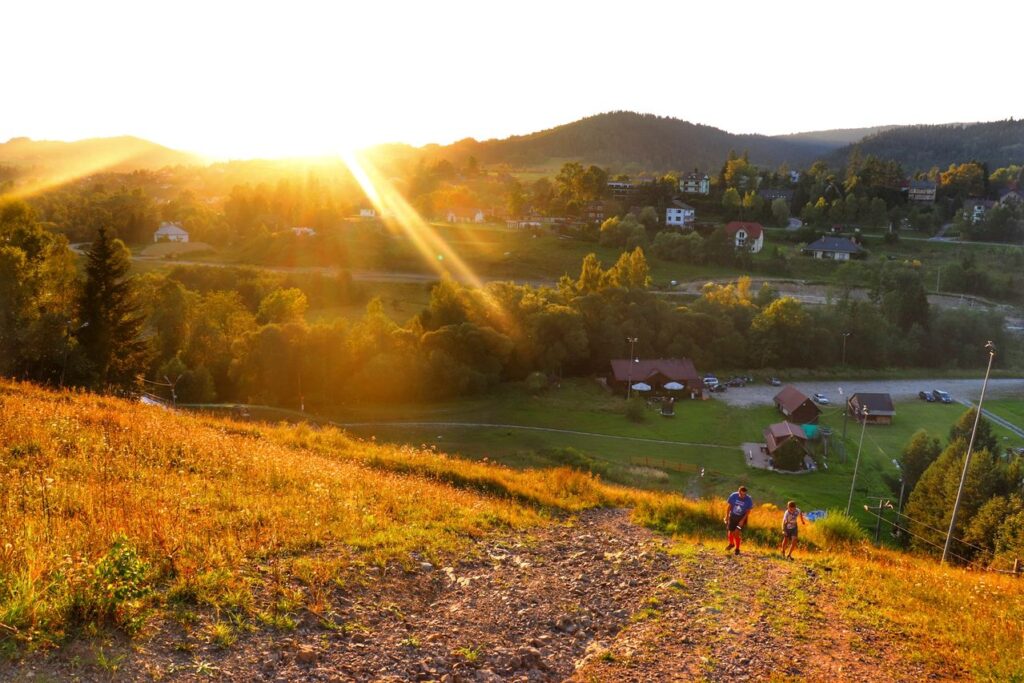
[762, 393]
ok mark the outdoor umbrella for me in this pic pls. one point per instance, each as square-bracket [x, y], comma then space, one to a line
[640, 386]
[674, 386]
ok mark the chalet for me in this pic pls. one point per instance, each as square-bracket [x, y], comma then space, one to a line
[170, 232]
[746, 236]
[679, 214]
[464, 216]
[777, 435]
[1012, 197]
[656, 373]
[770, 195]
[879, 406]
[797, 407]
[975, 209]
[921, 191]
[303, 232]
[835, 248]
[621, 188]
[695, 183]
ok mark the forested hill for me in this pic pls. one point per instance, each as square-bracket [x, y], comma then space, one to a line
[124, 153]
[919, 148]
[625, 140]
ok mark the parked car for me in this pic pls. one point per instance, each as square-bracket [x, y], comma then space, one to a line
[710, 381]
[718, 388]
[821, 398]
[926, 396]
[775, 381]
[737, 382]
[942, 396]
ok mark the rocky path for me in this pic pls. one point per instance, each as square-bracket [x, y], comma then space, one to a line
[595, 598]
[751, 618]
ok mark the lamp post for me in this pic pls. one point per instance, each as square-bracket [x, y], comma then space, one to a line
[629, 373]
[856, 464]
[991, 348]
[67, 337]
[845, 335]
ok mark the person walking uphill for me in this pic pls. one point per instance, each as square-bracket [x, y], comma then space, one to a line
[740, 505]
[789, 529]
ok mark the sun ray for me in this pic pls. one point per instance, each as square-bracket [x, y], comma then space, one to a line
[397, 212]
[75, 168]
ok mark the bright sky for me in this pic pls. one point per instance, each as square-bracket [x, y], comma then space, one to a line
[239, 79]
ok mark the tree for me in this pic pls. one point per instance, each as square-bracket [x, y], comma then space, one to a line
[283, 306]
[779, 333]
[919, 453]
[732, 202]
[984, 440]
[111, 316]
[780, 212]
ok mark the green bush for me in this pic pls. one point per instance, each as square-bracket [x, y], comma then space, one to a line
[838, 529]
[635, 409]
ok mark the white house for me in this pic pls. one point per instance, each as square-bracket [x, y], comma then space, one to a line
[366, 212]
[695, 183]
[679, 214]
[464, 216]
[746, 236]
[975, 209]
[170, 232]
[303, 232]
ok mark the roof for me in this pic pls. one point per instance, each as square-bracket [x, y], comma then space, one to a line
[776, 434]
[790, 398]
[753, 229]
[170, 229]
[987, 203]
[877, 404]
[682, 205]
[695, 175]
[922, 185]
[676, 369]
[840, 244]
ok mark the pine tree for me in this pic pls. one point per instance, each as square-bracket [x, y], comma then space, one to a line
[112, 321]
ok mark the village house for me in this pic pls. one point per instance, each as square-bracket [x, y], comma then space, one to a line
[921, 191]
[303, 232]
[777, 435]
[975, 209]
[1011, 197]
[835, 248]
[367, 212]
[679, 214]
[464, 216]
[746, 236]
[879, 406]
[621, 188]
[770, 195]
[170, 232]
[797, 407]
[695, 183]
[656, 374]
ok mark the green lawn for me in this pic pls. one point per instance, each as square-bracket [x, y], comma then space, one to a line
[1008, 409]
[583, 405]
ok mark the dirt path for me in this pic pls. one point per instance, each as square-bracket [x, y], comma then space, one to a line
[753, 617]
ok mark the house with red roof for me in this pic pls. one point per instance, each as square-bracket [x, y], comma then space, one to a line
[746, 236]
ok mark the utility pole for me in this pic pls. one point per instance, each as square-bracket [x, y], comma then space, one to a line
[856, 465]
[991, 348]
[629, 373]
[887, 505]
[845, 335]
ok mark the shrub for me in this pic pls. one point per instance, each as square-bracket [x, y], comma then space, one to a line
[635, 409]
[838, 529]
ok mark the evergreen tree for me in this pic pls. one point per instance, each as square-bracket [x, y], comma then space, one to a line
[112, 321]
[984, 440]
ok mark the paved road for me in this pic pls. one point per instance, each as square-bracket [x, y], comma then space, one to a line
[959, 389]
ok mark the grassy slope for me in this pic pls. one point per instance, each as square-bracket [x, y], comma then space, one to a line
[204, 507]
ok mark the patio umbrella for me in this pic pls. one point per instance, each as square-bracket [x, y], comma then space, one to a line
[674, 386]
[640, 386]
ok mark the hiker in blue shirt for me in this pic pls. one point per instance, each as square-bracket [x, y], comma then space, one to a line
[789, 531]
[740, 505]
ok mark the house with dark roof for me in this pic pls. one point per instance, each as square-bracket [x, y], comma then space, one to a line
[776, 435]
[796, 406]
[921, 191]
[835, 249]
[880, 410]
[656, 373]
[695, 183]
[1014, 197]
[746, 236]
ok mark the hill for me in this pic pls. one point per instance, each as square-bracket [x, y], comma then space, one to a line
[118, 154]
[626, 139]
[837, 136]
[919, 148]
[142, 544]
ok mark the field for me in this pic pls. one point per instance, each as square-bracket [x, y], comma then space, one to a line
[708, 435]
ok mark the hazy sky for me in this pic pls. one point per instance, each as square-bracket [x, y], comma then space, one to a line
[295, 77]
